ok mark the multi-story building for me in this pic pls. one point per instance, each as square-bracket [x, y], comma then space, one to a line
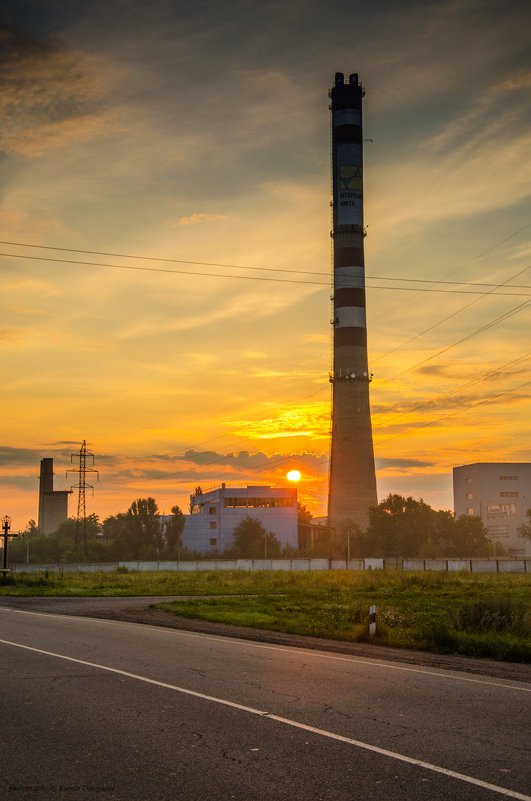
[215, 515]
[499, 493]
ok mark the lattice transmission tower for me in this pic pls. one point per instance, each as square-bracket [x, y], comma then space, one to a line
[81, 486]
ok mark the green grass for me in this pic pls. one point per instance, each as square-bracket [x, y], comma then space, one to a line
[482, 615]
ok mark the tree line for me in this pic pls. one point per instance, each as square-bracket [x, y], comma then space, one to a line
[402, 527]
[135, 535]
[397, 527]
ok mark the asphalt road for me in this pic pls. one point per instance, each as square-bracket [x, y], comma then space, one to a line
[98, 709]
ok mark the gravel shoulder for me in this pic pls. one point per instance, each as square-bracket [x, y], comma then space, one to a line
[139, 610]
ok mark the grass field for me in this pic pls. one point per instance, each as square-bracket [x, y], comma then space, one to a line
[482, 615]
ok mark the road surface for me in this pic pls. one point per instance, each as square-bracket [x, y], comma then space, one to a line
[99, 709]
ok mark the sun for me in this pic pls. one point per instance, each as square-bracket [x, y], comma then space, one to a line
[293, 475]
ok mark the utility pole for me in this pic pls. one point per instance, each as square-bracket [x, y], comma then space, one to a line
[6, 525]
[81, 486]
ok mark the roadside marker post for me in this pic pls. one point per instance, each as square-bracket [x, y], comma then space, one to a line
[372, 621]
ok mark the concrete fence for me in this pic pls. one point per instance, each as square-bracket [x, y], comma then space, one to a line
[482, 565]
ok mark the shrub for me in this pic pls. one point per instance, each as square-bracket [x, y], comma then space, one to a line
[492, 614]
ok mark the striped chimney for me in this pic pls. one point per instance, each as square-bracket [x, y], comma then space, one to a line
[352, 487]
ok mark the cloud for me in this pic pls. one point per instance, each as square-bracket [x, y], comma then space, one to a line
[52, 95]
[13, 335]
[403, 464]
[305, 420]
[213, 464]
[194, 219]
[19, 456]
[27, 483]
[522, 81]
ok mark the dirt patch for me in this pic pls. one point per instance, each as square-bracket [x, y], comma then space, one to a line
[155, 617]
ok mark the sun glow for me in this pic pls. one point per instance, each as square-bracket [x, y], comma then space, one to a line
[293, 475]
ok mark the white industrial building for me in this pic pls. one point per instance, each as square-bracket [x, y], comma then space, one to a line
[499, 493]
[215, 515]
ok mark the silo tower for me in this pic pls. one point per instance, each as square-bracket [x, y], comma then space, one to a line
[352, 475]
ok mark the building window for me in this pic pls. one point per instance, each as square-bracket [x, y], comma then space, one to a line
[259, 503]
[212, 510]
[498, 532]
[469, 495]
[497, 510]
[468, 480]
[212, 542]
[212, 524]
[508, 495]
[470, 510]
[508, 478]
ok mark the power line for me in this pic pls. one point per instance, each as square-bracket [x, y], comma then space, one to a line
[262, 278]
[449, 316]
[459, 342]
[462, 266]
[236, 266]
[512, 363]
[458, 411]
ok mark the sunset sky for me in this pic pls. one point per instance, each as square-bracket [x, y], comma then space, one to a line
[194, 137]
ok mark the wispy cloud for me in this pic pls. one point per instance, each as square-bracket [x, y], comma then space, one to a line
[306, 420]
[196, 218]
[52, 95]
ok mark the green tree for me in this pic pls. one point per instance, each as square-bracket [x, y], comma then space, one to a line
[349, 539]
[398, 526]
[304, 531]
[117, 542]
[143, 528]
[173, 530]
[61, 545]
[401, 526]
[470, 537]
[252, 541]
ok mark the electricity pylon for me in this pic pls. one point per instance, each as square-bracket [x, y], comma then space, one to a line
[81, 486]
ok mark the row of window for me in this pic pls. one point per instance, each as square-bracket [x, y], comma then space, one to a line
[258, 503]
[501, 478]
[245, 503]
[495, 510]
[470, 495]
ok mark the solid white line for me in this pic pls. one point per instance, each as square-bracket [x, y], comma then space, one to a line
[270, 647]
[287, 721]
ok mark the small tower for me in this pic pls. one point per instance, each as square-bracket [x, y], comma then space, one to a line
[53, 504]
[352, 475]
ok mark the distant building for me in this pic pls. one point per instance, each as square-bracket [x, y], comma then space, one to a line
[499, 493]
[215, 515]
[53, 504]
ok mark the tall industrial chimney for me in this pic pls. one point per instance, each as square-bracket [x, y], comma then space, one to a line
[352, 475]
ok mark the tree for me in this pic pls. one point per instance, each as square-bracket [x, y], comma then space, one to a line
[304, 531]
[401, 526]
[61, 546]
[251, 541]
[470, 537]
[173, 530]
[143, 528]
[198, 491]
[350, 540]
[398, 526]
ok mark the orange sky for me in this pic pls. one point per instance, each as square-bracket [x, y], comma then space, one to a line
[202, 141]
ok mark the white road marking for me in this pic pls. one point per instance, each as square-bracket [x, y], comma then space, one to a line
[270, 647]
[287, 721]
